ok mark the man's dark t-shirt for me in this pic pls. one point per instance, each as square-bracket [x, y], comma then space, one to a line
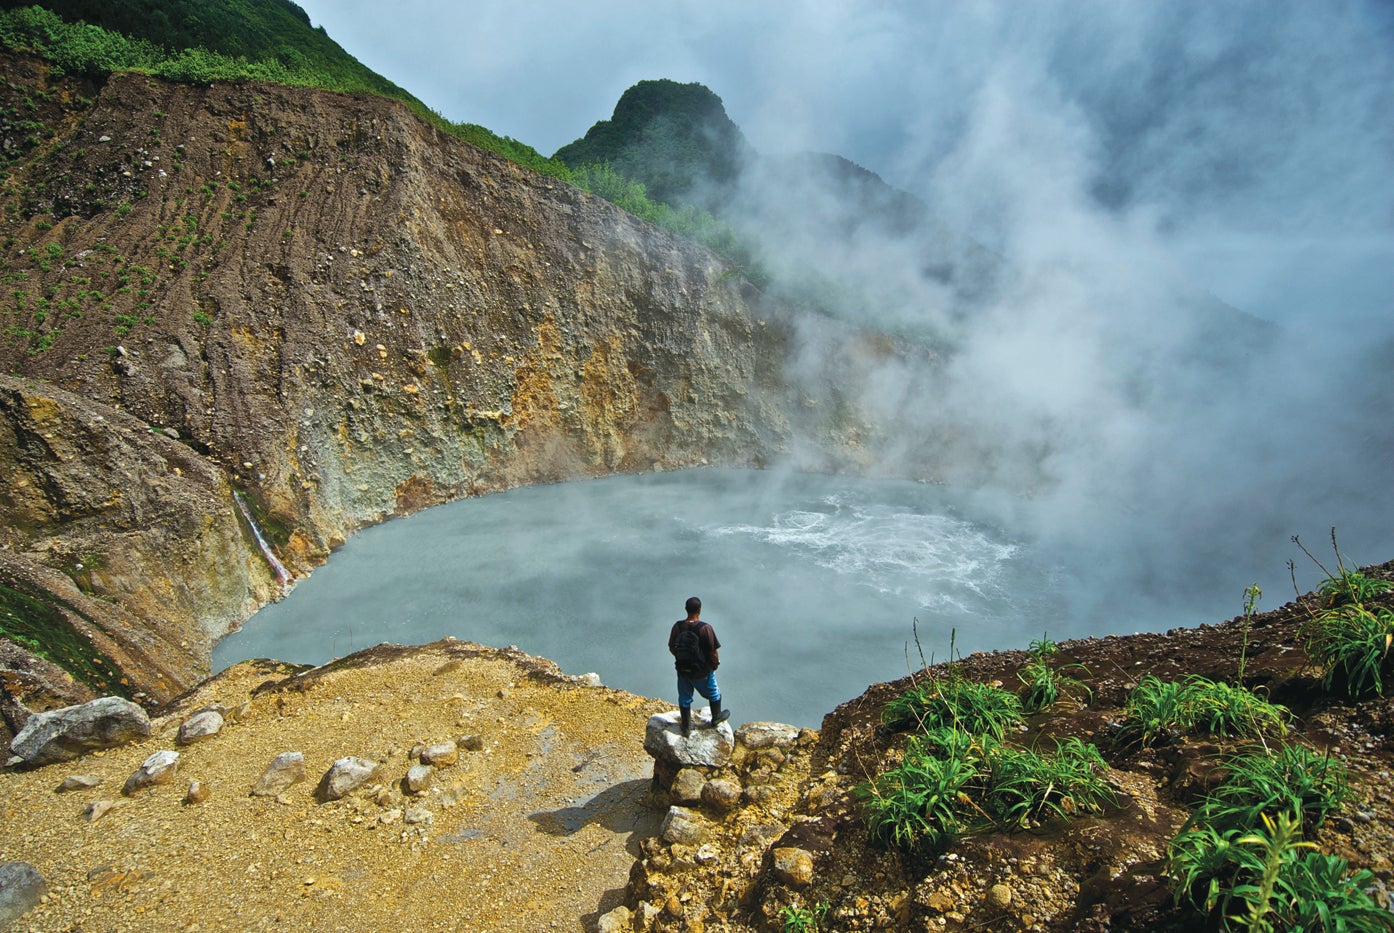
[707, 636]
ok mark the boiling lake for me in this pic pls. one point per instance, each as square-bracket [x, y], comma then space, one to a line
[816, 585]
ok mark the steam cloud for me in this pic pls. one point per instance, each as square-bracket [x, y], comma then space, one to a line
[1149, 182]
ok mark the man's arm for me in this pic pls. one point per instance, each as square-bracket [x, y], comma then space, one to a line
[713, 645]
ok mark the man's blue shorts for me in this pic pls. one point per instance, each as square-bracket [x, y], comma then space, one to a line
[704, 684]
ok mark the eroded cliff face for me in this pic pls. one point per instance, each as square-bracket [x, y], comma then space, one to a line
[321, 301]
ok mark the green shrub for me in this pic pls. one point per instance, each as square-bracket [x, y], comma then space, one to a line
[916, 804]
[1155, 709]
[1024, 787]
[976, 708]
[1266, 878]
[1352, 586]
[1043, 685]
[1351, 642]
[796, 919]
[1289, 778]
[1159, 710]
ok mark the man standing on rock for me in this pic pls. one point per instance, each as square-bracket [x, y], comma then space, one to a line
[694, 646]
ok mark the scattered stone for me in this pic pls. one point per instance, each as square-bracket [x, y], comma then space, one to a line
[793, 867]
[64, 734]
[285, 770]
[344, 777]
[683, 826]
[721, 795]
[418, 779]
[77, 782]
[97, 809]
[21, 889]
[757, 735]
[761, 835]
[198, 792]
[440, 754]
[390, 817]
[619, 920]
[764, 795]
[419, 816]
[999, 896]
[200, 726]
[663, 739]
[472, 743]
[591, 680]
[707, 854]
[687, 786]
[156, 770]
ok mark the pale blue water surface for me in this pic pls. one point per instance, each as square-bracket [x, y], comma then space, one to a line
[812, 582]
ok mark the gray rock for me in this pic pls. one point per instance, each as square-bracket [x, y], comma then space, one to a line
[663, 739]
[64, 734]
[198, 792]
[345, 776]
[77, 782]
[756, 735]
[721, 795]
[418, 779]
[285, 770]
[419, 816]
[440, 754]
[200, 726]
[687, 786]
[21, 888]
[158, 769]
[999, 896]
[683, 826]
[472, 743]
[793, 867]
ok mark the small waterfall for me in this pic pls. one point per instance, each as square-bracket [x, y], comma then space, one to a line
[282, 574]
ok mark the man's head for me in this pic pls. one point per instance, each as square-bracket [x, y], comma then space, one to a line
[694, 606]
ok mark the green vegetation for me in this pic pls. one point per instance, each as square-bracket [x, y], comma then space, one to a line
[953, 780]
[272, 40]
[1242, 859]
[1043, 685]
[1288, 779]
[1159, 710]
[673, 138]
[38, 621]
[1351, 643]
[956, 702]
[959, 774]
[796, 919]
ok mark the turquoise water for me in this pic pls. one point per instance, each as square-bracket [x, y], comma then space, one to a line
[815, 584]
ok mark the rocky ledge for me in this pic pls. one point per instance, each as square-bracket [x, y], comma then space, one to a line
[454, 786]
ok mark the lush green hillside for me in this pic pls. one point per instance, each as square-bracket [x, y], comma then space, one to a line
[675, 139]
[201, 41]
[191, 40]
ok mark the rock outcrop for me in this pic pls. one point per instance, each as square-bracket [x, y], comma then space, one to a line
[322, 304]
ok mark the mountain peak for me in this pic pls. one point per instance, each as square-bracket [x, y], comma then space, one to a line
[674, 137]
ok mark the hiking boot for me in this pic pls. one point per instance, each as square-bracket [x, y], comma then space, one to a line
[686, 722]
[719, 715]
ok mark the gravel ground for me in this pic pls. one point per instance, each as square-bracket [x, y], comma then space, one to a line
[536, 830]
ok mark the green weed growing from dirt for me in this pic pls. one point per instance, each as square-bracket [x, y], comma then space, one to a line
[1158, 710]
[796, 919]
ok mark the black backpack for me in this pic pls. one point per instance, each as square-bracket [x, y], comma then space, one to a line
[688, 654]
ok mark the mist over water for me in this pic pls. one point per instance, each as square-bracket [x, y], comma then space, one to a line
[814, 583]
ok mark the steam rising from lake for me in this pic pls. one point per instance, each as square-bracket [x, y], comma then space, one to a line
[814, 583]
